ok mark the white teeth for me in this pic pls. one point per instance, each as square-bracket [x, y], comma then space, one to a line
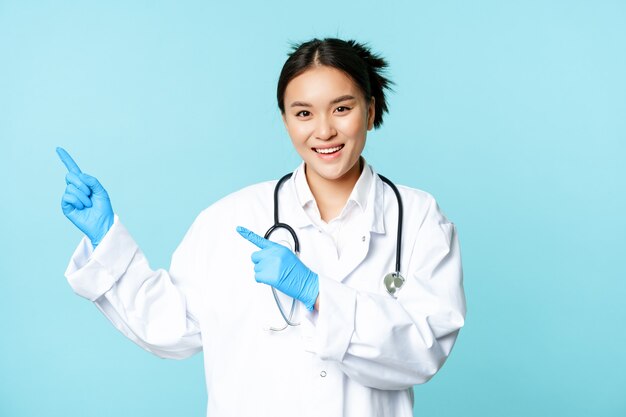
[328, 150]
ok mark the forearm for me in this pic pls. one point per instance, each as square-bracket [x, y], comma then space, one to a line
[377, 342]
[394, 343]
[142, 303]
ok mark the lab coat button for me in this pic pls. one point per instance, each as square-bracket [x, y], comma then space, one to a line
[363, 238]
[323, 374]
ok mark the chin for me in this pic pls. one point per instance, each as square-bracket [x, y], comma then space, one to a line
[332, 174]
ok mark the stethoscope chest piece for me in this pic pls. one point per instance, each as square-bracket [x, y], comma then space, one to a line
[393, 282]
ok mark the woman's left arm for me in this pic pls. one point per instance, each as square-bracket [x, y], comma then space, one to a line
[394, 343]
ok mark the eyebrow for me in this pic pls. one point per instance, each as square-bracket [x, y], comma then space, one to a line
[334, 101]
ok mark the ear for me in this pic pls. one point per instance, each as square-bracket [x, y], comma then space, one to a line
[371, 113]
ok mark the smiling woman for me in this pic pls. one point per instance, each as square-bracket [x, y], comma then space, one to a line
[327, 119]
[330, 94]
[353, 344]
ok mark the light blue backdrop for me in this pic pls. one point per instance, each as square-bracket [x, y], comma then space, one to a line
[513, 114]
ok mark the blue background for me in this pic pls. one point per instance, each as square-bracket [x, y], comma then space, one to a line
[513, 114]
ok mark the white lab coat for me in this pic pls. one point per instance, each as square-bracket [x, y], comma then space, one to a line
[360, 355]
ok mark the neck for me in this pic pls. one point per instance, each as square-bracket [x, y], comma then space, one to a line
[331, 195]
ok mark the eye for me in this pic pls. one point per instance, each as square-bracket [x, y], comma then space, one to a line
[342, 109]
[303, 113]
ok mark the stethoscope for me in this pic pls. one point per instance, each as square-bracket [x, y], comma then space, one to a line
[393, 281]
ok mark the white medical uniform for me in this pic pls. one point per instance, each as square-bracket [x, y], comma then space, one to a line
[360, 355]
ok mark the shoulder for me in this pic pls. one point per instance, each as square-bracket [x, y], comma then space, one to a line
[242, 207]
[245, 195]
[428, 204]
[251, 197]
[416, 197]
[418, 204]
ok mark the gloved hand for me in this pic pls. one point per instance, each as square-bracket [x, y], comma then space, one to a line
[279, 267]
[85, 202]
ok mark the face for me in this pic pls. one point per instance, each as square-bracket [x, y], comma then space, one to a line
[327, 118]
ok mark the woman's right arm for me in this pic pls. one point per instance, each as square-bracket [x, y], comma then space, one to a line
[150, 307]
[108, 268]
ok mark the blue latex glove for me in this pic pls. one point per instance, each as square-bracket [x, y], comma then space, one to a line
[279, 267]
[85, 202]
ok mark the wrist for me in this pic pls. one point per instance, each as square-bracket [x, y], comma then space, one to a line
[102, 230]
[312, 291]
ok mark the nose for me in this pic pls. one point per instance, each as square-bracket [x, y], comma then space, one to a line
[324, 130]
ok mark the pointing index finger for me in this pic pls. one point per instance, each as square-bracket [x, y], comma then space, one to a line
[68, 161]
[254, 238]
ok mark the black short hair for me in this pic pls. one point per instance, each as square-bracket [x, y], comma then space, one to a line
[353, 58]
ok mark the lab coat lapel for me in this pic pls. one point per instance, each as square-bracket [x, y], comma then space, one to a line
[373, 223]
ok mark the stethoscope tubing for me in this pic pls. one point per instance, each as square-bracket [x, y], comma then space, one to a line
[278, 225]
[400, 215]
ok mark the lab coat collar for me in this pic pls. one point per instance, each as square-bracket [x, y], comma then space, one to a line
[367, 193]
[359, 194]
[303, 192]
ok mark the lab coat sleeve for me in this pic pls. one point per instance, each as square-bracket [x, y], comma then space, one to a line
[150, 307]
[393, 344]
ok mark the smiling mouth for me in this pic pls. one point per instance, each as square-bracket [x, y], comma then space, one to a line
[328, 151]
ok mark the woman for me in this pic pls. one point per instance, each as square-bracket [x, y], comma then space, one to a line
[357, 347]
